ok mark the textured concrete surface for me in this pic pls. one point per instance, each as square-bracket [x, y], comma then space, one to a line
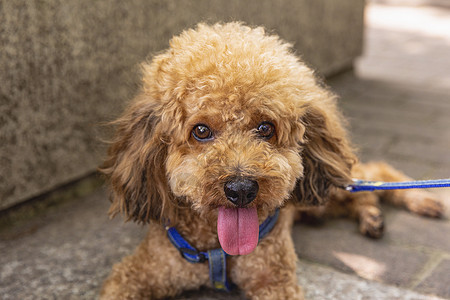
[68, 66]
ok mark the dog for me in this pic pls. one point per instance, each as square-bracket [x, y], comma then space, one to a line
[229, 128]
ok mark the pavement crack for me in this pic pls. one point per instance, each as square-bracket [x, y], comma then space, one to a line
[432, 263]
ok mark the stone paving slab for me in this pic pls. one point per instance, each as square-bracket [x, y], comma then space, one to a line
[411, 254]
[435, 282]
[64, 253]
[387, 122]
[395, 110]
[407, 44]
[410, 230]
[345, 250]
[325, 283]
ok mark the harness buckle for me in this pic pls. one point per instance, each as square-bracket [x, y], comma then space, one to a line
[200, 256]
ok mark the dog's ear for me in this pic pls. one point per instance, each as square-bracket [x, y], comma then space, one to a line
[135, 165]
[327, 154]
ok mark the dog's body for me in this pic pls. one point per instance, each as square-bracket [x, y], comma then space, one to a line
[230, 126]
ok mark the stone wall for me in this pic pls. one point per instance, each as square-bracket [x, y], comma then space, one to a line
[68, 66]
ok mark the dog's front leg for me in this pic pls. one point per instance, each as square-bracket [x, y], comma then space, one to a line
[270, 271]
[156, 270]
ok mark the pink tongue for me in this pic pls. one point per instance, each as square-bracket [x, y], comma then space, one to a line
[238, 230]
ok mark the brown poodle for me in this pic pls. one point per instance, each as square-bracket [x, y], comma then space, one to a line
[230, 126]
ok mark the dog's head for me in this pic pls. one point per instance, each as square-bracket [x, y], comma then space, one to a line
[229, 124]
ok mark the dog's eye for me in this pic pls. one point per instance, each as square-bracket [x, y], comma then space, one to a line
[202, 133]
[266, 130]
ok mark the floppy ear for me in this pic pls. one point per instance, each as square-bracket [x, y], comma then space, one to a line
[327, 154]
[135, 165]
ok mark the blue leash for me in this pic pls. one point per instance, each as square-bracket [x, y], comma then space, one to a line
[216, 257]
[365, 185]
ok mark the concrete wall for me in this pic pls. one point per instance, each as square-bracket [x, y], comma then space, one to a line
[68, 65]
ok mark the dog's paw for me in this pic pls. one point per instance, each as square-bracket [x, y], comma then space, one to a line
[424, 203]
[371, 222]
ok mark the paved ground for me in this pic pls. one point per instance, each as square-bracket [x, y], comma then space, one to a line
[398, 105]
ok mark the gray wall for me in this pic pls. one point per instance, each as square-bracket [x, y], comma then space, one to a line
[67, 66]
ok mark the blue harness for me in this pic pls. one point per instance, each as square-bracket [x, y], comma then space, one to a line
[216, 257]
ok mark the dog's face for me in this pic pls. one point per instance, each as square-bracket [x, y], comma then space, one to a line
[231, 125]
[237, 147]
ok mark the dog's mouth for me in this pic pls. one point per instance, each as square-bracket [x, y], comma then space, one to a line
[238, 230]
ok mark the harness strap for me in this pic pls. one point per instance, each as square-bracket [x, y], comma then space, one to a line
[216, 257]
[189, 253]
[268, 224]
[365, 185]
[218, 270]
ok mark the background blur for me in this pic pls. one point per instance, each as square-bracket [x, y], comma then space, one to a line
[67, 67]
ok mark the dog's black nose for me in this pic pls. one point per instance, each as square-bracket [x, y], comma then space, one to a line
[241, 191]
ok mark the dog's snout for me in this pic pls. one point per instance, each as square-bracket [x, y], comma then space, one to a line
[241, 191]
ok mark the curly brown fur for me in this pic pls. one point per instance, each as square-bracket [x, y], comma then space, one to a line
[231, 79]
